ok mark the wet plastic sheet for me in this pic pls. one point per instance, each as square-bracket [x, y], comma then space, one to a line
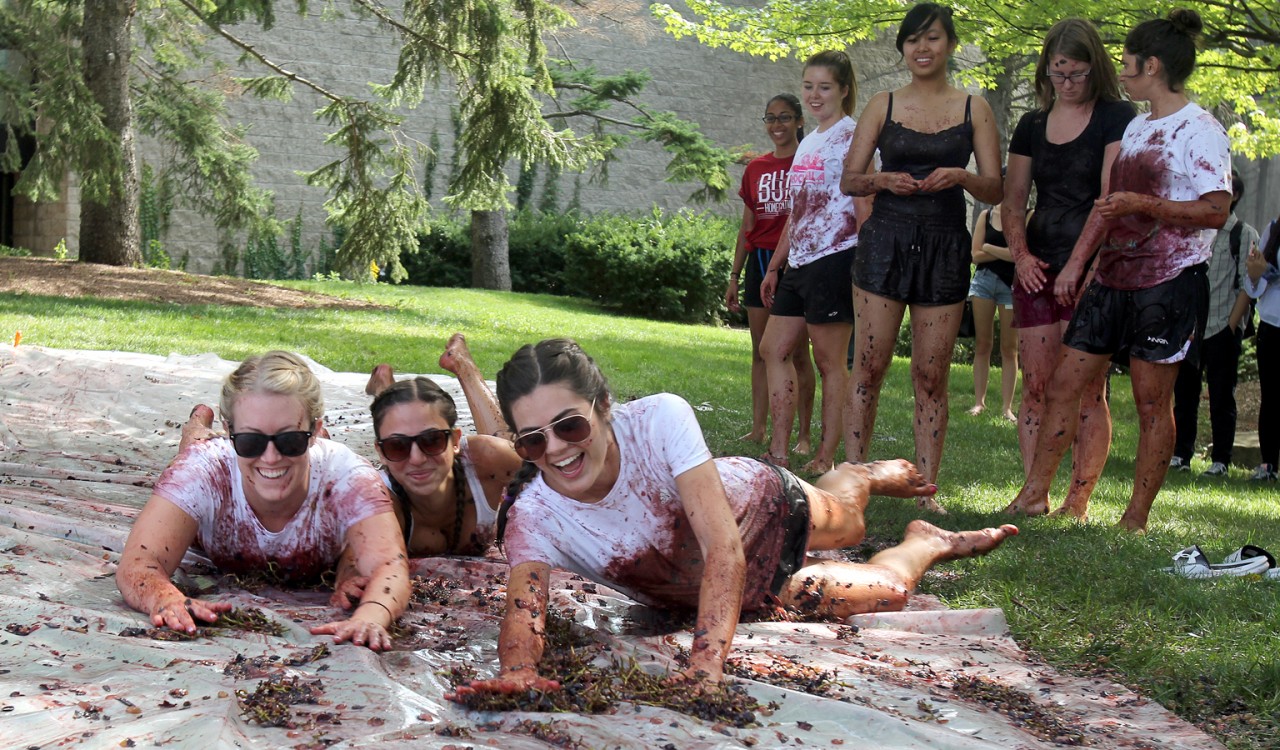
[83, 435]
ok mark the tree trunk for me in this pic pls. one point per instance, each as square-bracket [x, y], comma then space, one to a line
[490, 265]
[109, 231]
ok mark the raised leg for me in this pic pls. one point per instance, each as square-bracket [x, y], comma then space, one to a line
[480, 400]
[838, 500]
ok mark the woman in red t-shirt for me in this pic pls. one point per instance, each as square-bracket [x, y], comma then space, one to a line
[766, 205]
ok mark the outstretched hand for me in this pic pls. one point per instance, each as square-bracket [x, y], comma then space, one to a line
[181, 614]
[514, 681]
[358, 632]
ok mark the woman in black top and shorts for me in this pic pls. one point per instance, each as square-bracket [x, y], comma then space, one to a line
[914, 249]
[1066, 148]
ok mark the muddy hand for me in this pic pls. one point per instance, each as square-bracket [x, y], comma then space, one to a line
[358, 632]
[515, 681]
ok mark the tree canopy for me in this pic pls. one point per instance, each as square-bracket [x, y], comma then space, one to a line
[1238, 67]
[515, 105]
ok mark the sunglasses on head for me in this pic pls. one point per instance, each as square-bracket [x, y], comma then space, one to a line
[253, 444]
[574, 428]
[430, 443]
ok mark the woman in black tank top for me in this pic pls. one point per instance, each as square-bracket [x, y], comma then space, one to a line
[914, 249]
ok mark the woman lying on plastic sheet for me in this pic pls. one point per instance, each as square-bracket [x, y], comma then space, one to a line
[274, 495]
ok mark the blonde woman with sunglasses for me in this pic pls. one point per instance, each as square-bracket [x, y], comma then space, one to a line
[273, 495]
[628, 495]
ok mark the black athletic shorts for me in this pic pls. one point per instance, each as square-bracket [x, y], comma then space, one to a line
[821, 291]
[1162, 325]
[795, 542]
[757, 263]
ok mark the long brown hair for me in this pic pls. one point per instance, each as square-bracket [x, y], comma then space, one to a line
[1077, 39]
[841, 68]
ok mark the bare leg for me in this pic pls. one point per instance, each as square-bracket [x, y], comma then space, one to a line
[1153, 395]
[381, 378]
[480, 400]
[984, 318]
[1090, 448]
[757, 319]
[884, 584]
[1039, 350]
[874, 337]
[806, 385]
[1058, 427]
[1008, 362]
[830, 350]
[838, 500]
[781, 337]
[933, 339]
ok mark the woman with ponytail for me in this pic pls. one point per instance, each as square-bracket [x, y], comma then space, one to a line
[1170, 189]
[628, 495]
[814, 297]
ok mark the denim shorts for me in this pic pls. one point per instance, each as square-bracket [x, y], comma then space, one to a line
[986, 285]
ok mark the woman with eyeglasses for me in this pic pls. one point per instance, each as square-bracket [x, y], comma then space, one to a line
[628, 495]
[914, 250]
[1066, 149]
[1170, 188]
[766, 205]
[274, 496]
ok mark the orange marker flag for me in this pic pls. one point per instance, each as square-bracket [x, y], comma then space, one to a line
[17, 337]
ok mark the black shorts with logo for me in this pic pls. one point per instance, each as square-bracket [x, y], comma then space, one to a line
[1163, 324]
[821, 291]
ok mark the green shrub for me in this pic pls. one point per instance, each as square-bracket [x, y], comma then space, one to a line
[668, 267]
[14, 252]
[444, 254]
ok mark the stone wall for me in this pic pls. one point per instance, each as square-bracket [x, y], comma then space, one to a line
[724, 92]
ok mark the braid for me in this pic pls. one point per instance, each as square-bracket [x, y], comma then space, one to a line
[524, 476]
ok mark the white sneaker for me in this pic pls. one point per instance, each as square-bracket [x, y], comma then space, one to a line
[1264, 473]
[1179, 463]
[1216, 469]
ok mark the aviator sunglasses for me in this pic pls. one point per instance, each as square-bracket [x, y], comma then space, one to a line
[574, 428]
[253, 444]
[430, 443]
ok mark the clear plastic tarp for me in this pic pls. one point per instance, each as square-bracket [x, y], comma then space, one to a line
[83, 435]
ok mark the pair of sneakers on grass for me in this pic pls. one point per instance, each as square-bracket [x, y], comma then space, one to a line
[1263, 473]
[1248, 560]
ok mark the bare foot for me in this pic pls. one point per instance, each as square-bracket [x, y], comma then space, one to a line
[199, 426]
[755, 436]
[977, 409]
[956, 544]
[381, 378]
[779, 461]
[1074, 511]
[896, 478]
[1037, 506]
[802, 445]
[1010, 416]
[456, 354]
[818, 466]
[1132, 523]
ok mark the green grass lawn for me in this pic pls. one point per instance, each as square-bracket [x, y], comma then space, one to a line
[1084, 597]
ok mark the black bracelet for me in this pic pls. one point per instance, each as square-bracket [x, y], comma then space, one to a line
[380, 604]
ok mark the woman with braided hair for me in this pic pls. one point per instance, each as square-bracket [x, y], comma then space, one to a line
[628, 495]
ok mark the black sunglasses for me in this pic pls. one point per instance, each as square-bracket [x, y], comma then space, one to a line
[574, 428]
[253, 444]
[430, 442]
